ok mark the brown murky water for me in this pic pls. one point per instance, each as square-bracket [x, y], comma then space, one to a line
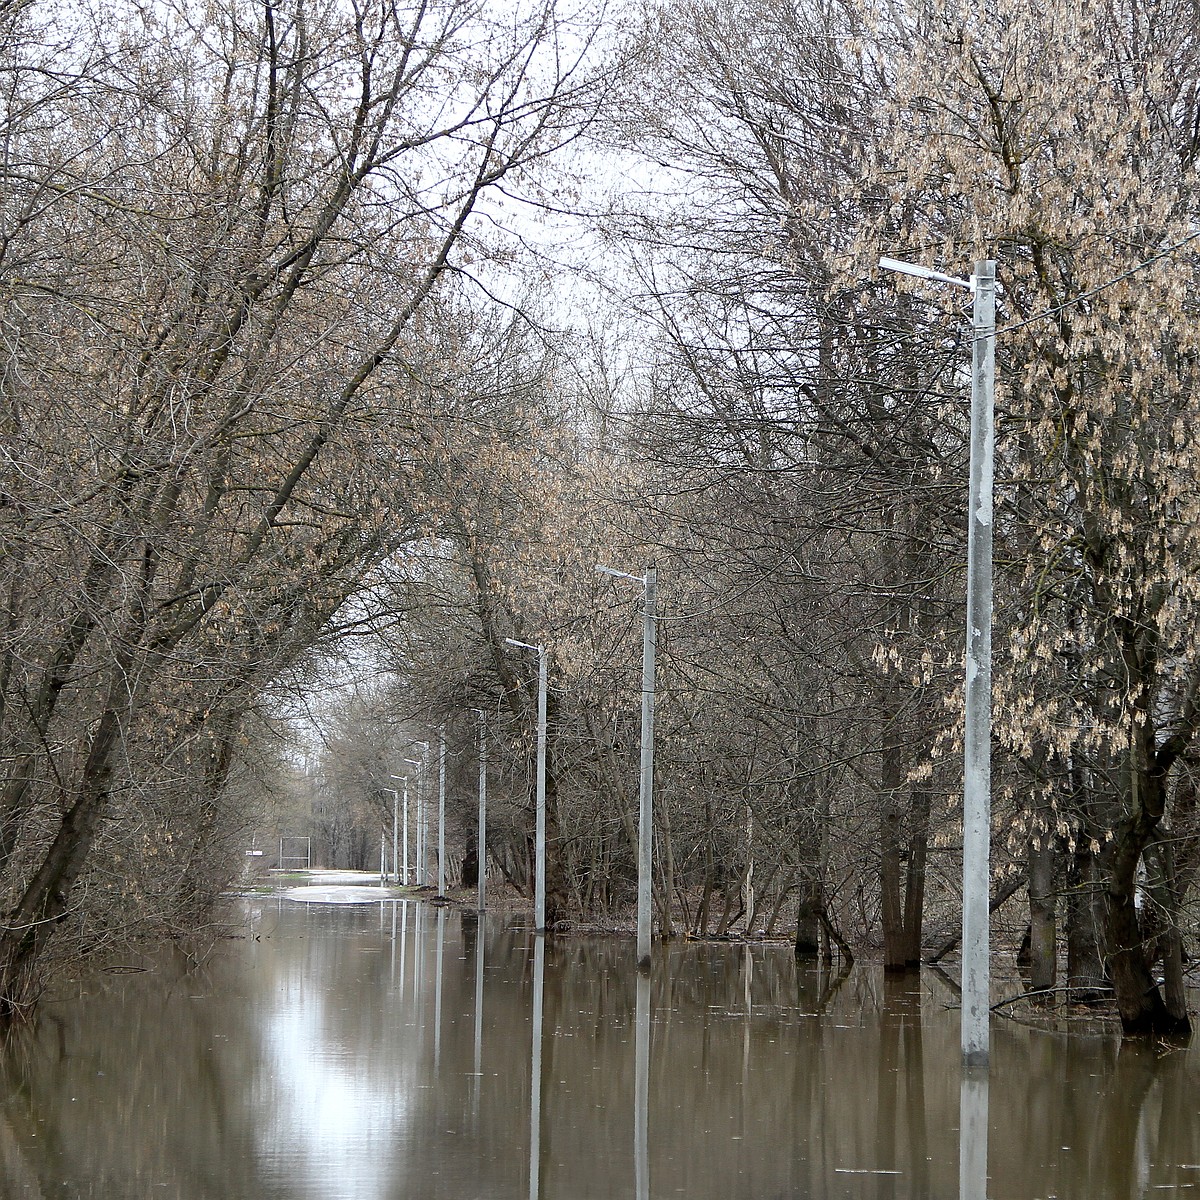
[390, 1052]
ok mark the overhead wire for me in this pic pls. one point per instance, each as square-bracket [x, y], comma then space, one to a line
[1165, 252]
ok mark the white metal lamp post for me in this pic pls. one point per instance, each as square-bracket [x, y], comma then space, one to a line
[441, 814]
[422, 875]
[415, 763]
[539, 908]
[646, 809]
[395, 830]
[481, 839]
[404, 779]
[977, 760]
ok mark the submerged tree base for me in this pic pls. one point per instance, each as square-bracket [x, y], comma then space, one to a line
[1154, 1021]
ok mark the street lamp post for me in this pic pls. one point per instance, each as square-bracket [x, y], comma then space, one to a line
[441, 813]
[481, 839]
[539, 909]
[399, 878]
[977, 731]
[422, 874]
[416, 763]
[419, 867]
[395, 829]
[646, 796]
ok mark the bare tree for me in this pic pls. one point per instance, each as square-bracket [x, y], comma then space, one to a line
[215, 323]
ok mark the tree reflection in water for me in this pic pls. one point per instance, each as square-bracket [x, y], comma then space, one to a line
[335, 1053]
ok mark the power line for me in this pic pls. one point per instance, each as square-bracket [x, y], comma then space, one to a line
[1166, 252]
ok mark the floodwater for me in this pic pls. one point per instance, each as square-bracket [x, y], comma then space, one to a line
[397, 1051]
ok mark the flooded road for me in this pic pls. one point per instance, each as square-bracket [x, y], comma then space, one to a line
[401, 1052]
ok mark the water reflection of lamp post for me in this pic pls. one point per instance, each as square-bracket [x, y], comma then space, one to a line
[973, 1134]
[539, 908]
[437, 992]
[535, 1072]
[478, 1073]
[418, 990]
[646, 792]
[641, 1089]
[977, 722]
[403, 941]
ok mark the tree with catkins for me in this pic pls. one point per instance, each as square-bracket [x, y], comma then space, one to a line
[1075, 170]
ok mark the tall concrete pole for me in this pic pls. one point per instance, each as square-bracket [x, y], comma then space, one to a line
[539, 905]
[420, 827]
[395, 833]
[646, 812]
[405, 838]
[540, 899]
[977, 757]
[481, 838]
[422, 819]
[977, 731]
[646, 791]
[420, 872]
[441, 813]
[415, 763]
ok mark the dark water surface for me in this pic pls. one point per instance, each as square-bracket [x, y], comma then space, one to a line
[388, 1052]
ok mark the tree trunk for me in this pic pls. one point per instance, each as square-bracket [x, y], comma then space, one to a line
[1161, 918]
[808, 919]
[470, 863]
[1043, 931]
[666, 855]
[701, 926]
[32, 923]
[726, 914]
[891, 910]
[1139, 1001]
[914, 886]
[748, 878]
[557, 894]
[1143, 1012]
[1087, 979]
